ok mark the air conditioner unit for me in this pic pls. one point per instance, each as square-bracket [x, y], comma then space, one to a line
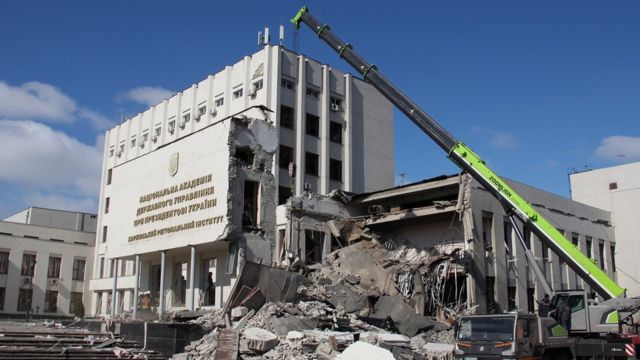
[197, 117]
[142, 144]
[119, 153]
[154, 138]
[171, 130]
[335, 107]
[182, 124]
[214, 112]
[252, 93]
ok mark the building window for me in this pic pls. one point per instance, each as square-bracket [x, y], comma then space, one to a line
[50, 301]
[335, 103]
[104, 234]
[186, 118]
[531, 299]
[112, 267]
[612, 248]
[284, 193]
[601, 254]
[3, 292]
[28, 264]
[287, 84]
[133, 141]
[313, 93]
[4, 262]
[75, 304]
[335, 132]
[219, 102]
[78, 269]
[251, 201]
[123, 267]
[112, 150]
[313, 125]
[172, 126]
[120, 149]
[589, 249]
[201, 111]
[158, 131]
[511, 298]
[237, 93]
[313, 246]
[286, 156]
[527, 238]
[101, 269]
[311, 164]
[487, 231]
[335, 170]
[53, 271]
[489, 295]
[508, 238]
[286, 117]
[109, 176]
[613, 186]
[24, 299]
[145, 138]
[107, 202]
[258, 85]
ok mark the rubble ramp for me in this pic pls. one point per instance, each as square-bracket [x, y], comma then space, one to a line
[44, 346]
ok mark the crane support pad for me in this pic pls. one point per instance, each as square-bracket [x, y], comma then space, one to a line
[551, 236]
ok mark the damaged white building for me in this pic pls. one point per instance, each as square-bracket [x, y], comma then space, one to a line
[190, 186]
[444, 244]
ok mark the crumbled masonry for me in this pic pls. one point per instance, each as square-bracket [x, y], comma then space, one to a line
[366, 302]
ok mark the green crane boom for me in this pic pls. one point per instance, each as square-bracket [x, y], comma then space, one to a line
[470, 162]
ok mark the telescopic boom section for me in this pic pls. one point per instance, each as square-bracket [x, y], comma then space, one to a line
[470, 162]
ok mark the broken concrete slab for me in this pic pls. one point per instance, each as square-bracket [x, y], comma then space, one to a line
[437, 347]
[402, 315]
[228, 342]
[342, 295]
[260, 340]
[282, 326]
[238, 312]
[361, 350]
[295, 335]
[394, 339]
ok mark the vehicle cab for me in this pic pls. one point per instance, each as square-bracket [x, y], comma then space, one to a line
[503, 336]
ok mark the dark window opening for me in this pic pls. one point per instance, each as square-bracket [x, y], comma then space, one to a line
[335, 132]
[75, 304]
[487, 231]
[244, 155]
[53, 272]
[489, 294]
[313, 125]
[284, 193]
[24, 299]
[101, 268]
[4, 262]
[286, 117]
[601, 254]
[511, 298]
[335, 170]
[104, 234]
[109, 176]
[311, 163]
[3, 292]
[250, 209]
[285, 156]
[51, 301]
[612, 248]
[78, 269]
[28, 264]
[313, 245]
[107, 202]
[508, 238]
[531, 300]
[588, 242]
[31, 237]
[613, 186]
[575, 239]
[527, 238]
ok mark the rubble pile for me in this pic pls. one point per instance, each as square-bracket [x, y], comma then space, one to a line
[370, 299]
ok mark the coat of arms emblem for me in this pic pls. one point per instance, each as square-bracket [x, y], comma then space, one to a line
[173, 164]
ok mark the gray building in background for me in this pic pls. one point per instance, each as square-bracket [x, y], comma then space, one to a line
[45, 261]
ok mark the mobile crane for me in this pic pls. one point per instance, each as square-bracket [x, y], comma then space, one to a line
[595, 329]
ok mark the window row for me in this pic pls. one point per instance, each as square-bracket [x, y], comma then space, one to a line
[312, 122]
[335, 102]
[312, 161]
[25, 301]
[53, 269]
[127, 268]
[186, 117]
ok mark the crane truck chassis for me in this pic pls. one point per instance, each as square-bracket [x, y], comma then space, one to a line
[512, 335]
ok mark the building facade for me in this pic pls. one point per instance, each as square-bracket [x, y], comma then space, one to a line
[616, 189]
[190, 186]
[45, 261]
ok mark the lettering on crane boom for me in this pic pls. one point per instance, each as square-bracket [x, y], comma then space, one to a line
[500, 186]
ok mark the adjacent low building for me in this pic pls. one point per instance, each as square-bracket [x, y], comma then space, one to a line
[454, 217]
[45, 256]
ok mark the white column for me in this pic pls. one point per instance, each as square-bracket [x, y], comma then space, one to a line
[163, 264]
[136, 287]
[114, 292]
[192, 279]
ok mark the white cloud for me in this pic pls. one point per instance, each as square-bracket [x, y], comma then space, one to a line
[36, 100]
[35, 156]
[146, 95]
[619, 148]
[39, 101]
[498, 139]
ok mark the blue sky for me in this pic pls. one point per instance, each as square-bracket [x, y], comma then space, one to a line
[538, 88]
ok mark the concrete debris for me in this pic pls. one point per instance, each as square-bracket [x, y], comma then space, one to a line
[295, 335]
[260, 340]
[238, 312]
[361, 350]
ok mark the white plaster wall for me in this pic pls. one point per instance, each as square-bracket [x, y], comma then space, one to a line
[592, 188]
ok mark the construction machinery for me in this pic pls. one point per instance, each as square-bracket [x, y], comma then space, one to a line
[595, 329]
